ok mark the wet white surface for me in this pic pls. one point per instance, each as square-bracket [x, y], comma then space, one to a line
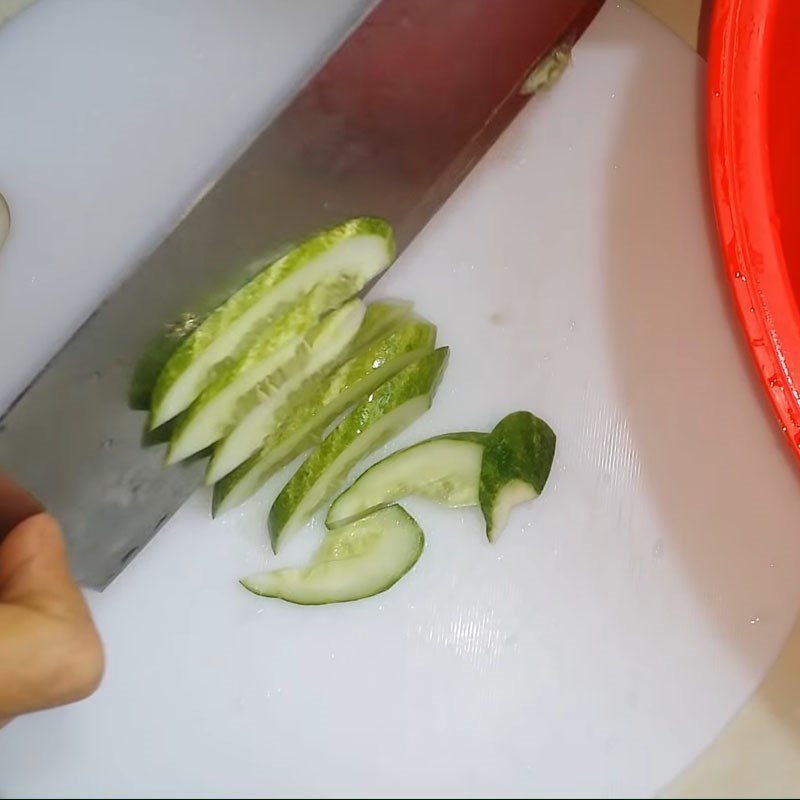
[619, 621]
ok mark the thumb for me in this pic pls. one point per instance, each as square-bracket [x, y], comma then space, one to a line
[34, 570]
[50, 652]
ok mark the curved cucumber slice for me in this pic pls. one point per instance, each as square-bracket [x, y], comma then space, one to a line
[445, 469]
[393, 406]
[328, 268]
[261, 381]
[314, 411]
[516, 464]
[353, 562]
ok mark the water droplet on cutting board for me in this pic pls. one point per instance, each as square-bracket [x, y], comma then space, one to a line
[658, 548]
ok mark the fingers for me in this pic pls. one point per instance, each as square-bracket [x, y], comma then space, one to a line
[50, 652]
[15, 505]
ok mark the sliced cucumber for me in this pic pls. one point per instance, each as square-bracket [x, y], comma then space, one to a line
[382, 317]
[314, 411]
[234, 387]
[155, 356]
[329, 268]
[353, 562]
[516, 463]
[445, 469]
[392, 407]
[260, 382]
[259, 421]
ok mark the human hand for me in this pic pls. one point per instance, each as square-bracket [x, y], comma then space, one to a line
[50, 653]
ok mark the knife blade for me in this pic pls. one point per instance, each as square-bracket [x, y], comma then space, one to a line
[388, 126]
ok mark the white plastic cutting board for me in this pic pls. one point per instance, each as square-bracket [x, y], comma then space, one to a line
[620, 620]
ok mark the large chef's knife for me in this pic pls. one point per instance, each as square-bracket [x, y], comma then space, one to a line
[388, 126]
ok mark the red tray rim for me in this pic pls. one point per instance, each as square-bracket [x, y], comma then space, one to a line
[756, 268]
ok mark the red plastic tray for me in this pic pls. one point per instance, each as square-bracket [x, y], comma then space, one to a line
[754, 140]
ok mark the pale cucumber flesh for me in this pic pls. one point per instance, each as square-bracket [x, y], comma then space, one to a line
[445, 469]
[314, 411]
[393, 406]
[264, 381]
[510, 494]
[333, 265]
[244, 440]
[324, 348]
[214, 412]
[381, 317]
[354, 562]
